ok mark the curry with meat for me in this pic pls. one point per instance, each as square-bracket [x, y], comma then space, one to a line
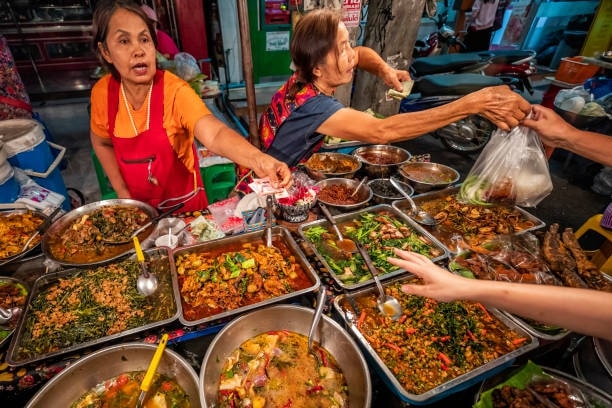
[236, 275]
[86, 239]
[433, 342]
[123, 391]
[15, 230]
[275, 369]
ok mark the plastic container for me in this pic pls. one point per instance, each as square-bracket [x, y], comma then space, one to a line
[219, 180]
[573, 71]
[25, 144]
[51, 178]
[9, 187]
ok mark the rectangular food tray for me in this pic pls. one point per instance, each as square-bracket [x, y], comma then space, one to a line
[404, 207]
[356, 214]
[445, 389]
[278, 233]
[159, 264]
[534, 330]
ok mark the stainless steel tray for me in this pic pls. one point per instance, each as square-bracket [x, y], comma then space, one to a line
[111, 252]
[445, 389]
[11, 259]
[404, 207]
[356, 214]
[159, 263]
[279, 234]
[534, 330]
[5, 330]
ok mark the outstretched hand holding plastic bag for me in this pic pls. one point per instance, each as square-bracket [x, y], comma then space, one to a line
[511, 170]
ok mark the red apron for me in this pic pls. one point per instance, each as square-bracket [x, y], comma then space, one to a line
[149, 165]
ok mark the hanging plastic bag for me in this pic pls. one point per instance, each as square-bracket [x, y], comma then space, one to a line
[511, 170]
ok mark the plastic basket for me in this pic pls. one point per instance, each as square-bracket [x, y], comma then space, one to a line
[256, 225]
[573, 71]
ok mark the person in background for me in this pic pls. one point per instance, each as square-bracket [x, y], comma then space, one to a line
[165, 44]
[562, 306]
[144, 120]
[480, 27]
[304, 109]
[554, 131]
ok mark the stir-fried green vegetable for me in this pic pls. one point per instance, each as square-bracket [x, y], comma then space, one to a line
[379, 233]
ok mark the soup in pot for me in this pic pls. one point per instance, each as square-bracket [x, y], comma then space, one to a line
[275, 369]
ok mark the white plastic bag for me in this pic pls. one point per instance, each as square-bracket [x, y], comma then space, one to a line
[512, 169]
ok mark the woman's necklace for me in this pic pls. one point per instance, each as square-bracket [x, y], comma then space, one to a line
[129, 110]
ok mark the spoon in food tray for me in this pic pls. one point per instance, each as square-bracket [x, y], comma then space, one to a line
[418, 214]
[7, 314]
[150, 373]
[147, 282]
[124, 239]
[315, 319]
[387, 304]
[344, 244]
[363, 180]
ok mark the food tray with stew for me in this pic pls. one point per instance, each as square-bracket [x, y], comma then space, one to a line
[77, 308]
[471, 223]
[16, 227]
[85, 236]
[378, 229]
[13, 296]
[435, 348]
[228, 276]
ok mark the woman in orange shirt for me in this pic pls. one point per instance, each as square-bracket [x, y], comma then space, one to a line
[144, 120]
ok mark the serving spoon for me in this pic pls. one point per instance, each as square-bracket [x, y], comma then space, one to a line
[418, 214]
[315, 319]
[7, 314]
[363, 180]
[387, 304]
[147, 282]
[344, 244]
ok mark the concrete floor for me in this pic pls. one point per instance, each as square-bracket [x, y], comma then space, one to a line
[571, 202]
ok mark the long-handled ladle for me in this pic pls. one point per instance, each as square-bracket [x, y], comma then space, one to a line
[419, 215]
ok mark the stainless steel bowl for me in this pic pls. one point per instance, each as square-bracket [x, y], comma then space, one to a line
[425, 176]
[381, 161]
[297, 319]
[111, 252]
[362, 197]
[385, 193]
[106, 363]
[325, 165]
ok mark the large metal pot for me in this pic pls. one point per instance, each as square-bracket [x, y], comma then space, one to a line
[293, 318]
[381, 161]
[104, 364]
[111, 252]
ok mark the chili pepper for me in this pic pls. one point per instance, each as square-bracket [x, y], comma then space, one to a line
[288, 404]
[471, 335]
[361, 319]
[323, 357]
[444, 338]
[410, 330]
[394, 347]
[314, 389]
[484, 310]
[519, 341]
[403, 318]
[445, 359]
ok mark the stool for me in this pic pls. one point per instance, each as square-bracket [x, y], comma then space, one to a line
[106, 190]
[601, 257]
[219, 180]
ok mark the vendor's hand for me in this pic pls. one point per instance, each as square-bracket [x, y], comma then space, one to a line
[277, 171]
[501, 105]
[551, 127]
[439, 283]
[393, 78]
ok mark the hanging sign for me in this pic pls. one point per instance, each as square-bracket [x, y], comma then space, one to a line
[277, 40]
[351, 12]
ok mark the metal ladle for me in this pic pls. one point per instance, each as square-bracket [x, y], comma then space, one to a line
[7, 314]
[147, 282]
[419, 215]
[387, 304]
[345, 244]
[363, 180]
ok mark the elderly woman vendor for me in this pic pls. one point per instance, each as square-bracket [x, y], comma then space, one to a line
[304, 108]
[144, 120]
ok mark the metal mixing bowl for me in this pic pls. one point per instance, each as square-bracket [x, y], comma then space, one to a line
[425, 176]
[297, 319]
[363, 195]
[104, 364]
[381, 161]
[325, 165]
[385, 193]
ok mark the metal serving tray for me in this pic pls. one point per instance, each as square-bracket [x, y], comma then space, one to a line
[404, 207]
[279, 234]
[445, 389]
[158, 261]
[356, 214]
[534, 330]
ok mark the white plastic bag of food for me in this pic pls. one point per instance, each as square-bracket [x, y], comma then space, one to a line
[512, 169]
